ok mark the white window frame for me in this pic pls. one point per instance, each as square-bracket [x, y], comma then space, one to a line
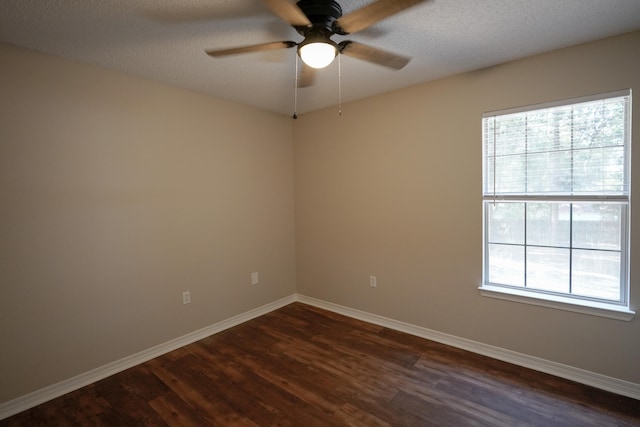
[619, 310]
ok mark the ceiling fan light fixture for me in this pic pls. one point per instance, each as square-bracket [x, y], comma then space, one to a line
[318, 54]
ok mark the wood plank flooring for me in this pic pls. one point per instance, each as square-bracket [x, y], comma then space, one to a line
[303, 366]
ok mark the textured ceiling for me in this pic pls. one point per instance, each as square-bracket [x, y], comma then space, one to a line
[165, 40]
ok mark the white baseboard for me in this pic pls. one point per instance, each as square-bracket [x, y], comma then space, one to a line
[600, 381]
[43, 395]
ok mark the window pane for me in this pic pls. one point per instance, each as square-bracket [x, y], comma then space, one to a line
[506, 264]
[549, 129]
[599, 170]
[548, 269]
[549, 172]
[596, 274]
[599, 124]
[548, 224]
[511, 177]
[509, 137]
[597, 225]
[506, 222]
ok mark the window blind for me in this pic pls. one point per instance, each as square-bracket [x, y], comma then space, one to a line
[561, 150]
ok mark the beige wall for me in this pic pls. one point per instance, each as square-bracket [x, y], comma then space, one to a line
[393, 189]
[116, 195]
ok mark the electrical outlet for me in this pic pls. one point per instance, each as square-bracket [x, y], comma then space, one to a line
[373, 282]
[186, 297]
[254, 278]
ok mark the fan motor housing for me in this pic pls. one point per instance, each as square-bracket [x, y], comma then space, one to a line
[321, 13]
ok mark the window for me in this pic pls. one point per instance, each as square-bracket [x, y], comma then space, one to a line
[556, 201]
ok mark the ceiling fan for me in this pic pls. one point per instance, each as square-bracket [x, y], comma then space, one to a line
[318, 20]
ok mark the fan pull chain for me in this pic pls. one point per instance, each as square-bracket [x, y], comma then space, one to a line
[295, 92]
[339, 86]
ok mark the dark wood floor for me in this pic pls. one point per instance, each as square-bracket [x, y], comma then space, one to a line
[303, 366]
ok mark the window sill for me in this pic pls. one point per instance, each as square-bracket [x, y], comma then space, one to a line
[561, 303]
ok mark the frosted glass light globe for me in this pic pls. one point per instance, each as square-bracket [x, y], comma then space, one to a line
[318, 54]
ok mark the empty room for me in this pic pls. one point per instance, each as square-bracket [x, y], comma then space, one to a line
[203, 226]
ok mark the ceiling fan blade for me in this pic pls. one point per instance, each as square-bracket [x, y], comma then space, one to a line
[373, 54]
[254, 48]
[289, 12]
[368, 15]
[307, 76]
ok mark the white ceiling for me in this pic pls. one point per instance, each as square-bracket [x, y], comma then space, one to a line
[165, 40]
